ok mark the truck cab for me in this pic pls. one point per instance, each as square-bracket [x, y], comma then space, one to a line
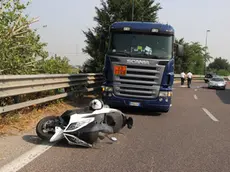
[139, 65]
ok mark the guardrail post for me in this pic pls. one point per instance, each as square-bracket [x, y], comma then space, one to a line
[16, 99]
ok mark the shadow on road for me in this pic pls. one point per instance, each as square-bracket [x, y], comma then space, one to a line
[34, 139]
[224, 95]
[138, 111]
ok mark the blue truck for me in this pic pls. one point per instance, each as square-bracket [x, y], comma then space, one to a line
[139, 65]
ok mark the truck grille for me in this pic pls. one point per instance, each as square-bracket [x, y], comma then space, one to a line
[140, 81]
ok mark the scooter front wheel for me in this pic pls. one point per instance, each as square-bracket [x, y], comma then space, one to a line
[45, 128]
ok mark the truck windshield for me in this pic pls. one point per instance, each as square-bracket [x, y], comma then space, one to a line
[141, 45]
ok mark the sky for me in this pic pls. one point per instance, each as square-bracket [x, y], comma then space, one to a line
[67, 19]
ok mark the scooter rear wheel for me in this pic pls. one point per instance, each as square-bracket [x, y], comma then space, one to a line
[115, 121]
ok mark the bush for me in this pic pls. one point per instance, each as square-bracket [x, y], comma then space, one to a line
[223, 72]
[54, 65]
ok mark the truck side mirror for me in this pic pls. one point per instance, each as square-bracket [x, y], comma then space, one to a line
[102, 43]
[179, 50]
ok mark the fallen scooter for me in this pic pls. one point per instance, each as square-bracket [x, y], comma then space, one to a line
[83, 128]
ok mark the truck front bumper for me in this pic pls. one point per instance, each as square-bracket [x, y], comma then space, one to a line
[159, 104]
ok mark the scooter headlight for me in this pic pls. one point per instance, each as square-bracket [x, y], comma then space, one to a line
[79, 124]
[74, 125]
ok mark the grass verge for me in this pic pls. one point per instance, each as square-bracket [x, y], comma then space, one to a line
[26, 119]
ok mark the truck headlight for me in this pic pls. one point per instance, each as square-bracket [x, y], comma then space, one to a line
[165, 94]
[106, 88]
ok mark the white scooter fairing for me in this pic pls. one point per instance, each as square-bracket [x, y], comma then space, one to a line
[79, 120]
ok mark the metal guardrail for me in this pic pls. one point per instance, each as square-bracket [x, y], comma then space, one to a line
[194, 76]
[177, 76]
[15, 85]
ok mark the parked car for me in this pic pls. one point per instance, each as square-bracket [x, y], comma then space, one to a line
[217, 82]
[208, 77]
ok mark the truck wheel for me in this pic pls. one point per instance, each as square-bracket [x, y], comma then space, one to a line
[165, 111]
[158, 113]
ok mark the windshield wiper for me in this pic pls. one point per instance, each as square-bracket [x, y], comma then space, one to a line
[122, 53]
[151, 56]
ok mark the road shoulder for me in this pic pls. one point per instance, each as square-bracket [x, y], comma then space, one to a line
[15, 142]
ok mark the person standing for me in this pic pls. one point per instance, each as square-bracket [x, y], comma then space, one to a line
[182, 77]
[189, 76]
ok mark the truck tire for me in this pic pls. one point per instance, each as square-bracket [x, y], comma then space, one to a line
[165, 110]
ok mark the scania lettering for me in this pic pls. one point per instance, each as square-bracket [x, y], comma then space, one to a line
[139, 65]
[137, 61]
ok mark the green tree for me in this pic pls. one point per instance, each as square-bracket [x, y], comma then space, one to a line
[193, 59]
[223, 72]
[196, 58]
[110, 12]
[220, 66]
[54, 65]
[219, 63]
[181, 61]
[20, 45]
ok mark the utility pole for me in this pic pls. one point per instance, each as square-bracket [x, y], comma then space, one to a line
[206, 45]
[206, 40]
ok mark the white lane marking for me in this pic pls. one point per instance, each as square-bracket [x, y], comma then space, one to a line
[195, 97]
[210, 115]
[25, 158]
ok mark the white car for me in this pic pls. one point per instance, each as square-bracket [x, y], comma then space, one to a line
[217, 82]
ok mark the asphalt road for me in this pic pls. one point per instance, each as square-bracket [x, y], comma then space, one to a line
[192, 137]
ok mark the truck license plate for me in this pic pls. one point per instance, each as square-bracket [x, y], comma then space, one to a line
[134, 103]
